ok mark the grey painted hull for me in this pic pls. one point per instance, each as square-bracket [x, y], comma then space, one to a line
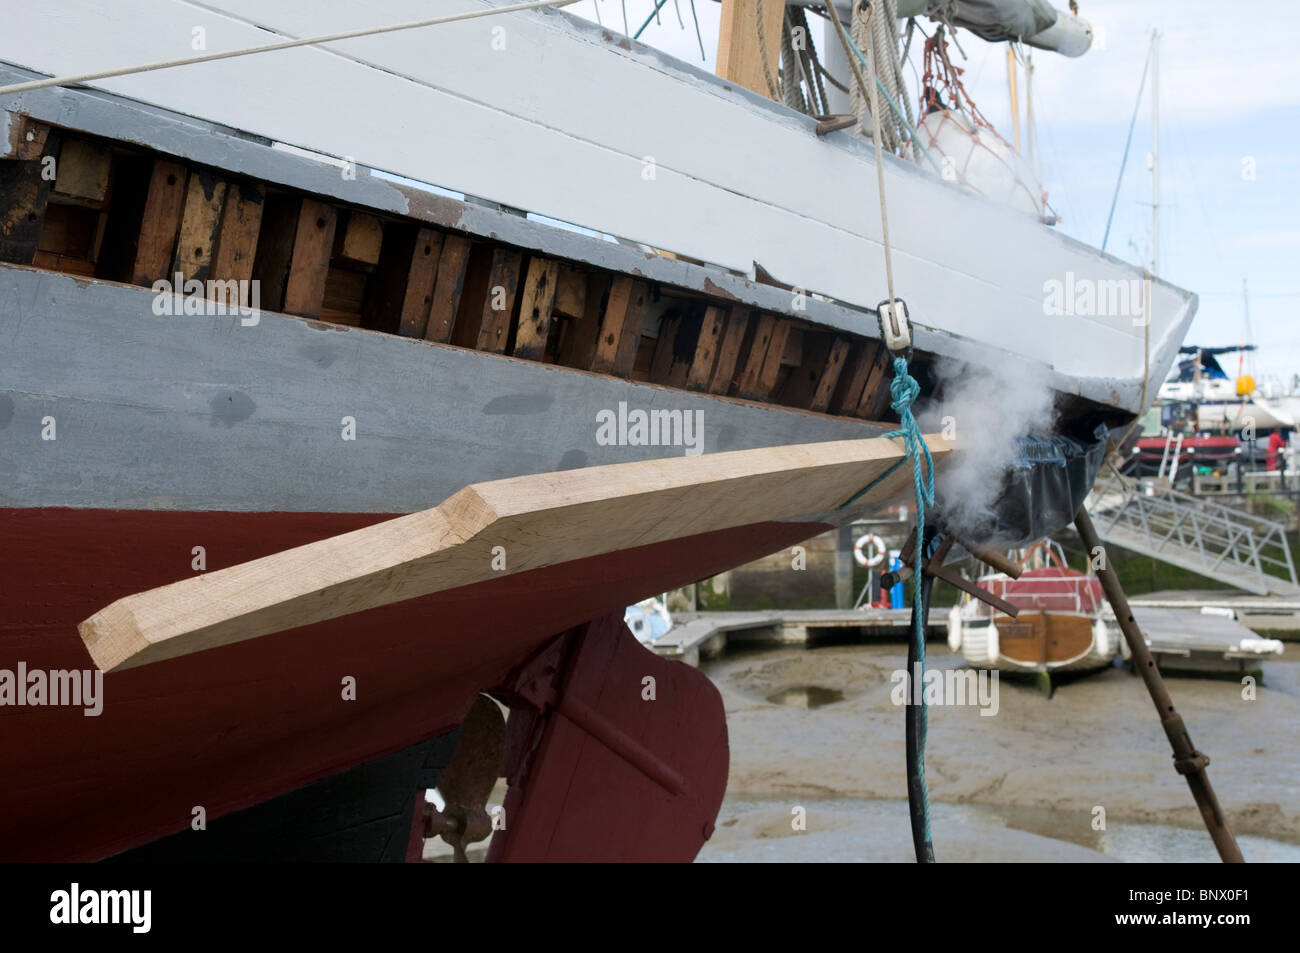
[201, 413]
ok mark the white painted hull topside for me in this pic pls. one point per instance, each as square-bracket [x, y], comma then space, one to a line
[565, 121]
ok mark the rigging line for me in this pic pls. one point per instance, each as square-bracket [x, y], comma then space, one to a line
[596, 4]
[271, 47]
[698, 37]
[1127, 143]
[654, 15]
[677, 8]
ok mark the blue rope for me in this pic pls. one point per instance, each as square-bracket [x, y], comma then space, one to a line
[903, 391]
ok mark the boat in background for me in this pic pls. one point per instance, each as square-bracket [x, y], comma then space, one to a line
[1060, 626]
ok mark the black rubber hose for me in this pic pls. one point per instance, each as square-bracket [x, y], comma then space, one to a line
[915, 730]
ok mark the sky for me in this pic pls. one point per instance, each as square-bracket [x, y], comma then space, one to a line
[1229, 84]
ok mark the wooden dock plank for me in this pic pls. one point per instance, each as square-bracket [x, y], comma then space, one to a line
[161, 222]
[535, 308]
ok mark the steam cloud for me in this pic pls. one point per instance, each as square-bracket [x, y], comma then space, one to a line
[987, 414]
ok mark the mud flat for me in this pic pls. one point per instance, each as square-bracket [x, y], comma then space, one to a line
[1021, 784]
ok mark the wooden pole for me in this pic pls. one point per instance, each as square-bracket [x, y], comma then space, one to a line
[743, 47]
[1015, 100]
[1187, 760]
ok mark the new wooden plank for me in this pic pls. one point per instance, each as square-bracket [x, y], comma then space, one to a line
[236, 244]
[205, 198]
[448, 287]
[161, 222]
[578, 349]
[535, 308]
[729, 351]
[304, 292]
[620, 332]
[741, 52]
[706, 348]
[571, 292]
[499, 302]
[751, 382]
[542, 520]
[830, 375]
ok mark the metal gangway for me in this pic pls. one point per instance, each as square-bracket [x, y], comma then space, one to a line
[1217, 541]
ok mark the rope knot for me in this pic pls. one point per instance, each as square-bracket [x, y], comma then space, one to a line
[903, 388]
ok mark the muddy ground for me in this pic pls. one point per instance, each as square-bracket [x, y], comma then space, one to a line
[1020, 785]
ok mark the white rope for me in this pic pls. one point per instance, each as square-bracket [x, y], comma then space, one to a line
[878, 34]
[286, 45]
[880, 170]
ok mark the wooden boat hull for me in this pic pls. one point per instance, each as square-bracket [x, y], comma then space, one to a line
[234, 726]
[1038, 642]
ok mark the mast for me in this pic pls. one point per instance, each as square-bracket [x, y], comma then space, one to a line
[749, 44]
[1155, 152]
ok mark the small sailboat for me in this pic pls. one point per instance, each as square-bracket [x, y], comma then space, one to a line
[1059, 627]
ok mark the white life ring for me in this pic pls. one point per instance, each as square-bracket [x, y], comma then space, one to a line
[878, 550]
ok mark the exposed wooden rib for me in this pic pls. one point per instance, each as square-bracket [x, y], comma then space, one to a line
[750, 383]
[313, 241]
[363, 238]
[540, 521]
[800, 384]
[205, 197]
[661, 364]
[849, 392]
[452, 261]
[706, 348]
[579, 346]
[535, 308]
[777, 350]
[27, 138]
[571, 292]
[83, 170]
[499, 303]
[620, 332]
[415, 267]
[24, 195]
[875, 393]
[237, 238]
[830, 375]
[161, 222]
[729, 352]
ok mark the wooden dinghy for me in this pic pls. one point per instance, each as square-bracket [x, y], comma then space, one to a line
[1060, 626]
[241, 684]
